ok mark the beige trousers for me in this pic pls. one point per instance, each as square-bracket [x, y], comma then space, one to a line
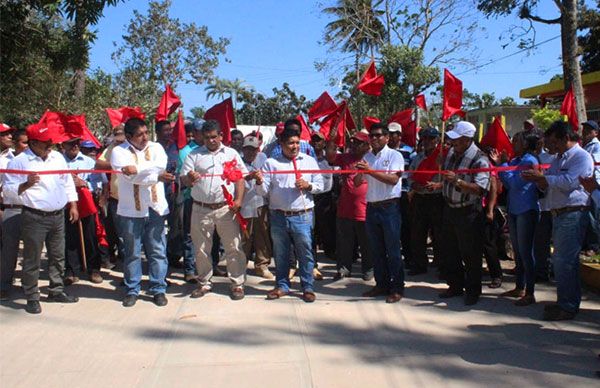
[204, 222]
[258, 239]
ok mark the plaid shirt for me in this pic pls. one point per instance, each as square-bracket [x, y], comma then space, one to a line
[471, 159]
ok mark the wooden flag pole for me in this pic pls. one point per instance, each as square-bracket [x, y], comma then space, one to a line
[82, 243]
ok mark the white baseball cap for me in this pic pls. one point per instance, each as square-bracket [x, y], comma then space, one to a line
[462, 128]
[394, 127]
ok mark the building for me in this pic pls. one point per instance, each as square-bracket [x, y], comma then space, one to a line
[512, 117]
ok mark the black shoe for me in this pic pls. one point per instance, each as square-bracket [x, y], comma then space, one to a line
[369, 275]
[33, 307]
[339, 276]
[62, 298]
[415, 272]
[450, 293]
[160, 299]
[219, 272]
[129, 300]
[4, 295]
[470, 300]
[558, 315]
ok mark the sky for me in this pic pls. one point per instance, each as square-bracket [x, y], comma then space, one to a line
[277, 41]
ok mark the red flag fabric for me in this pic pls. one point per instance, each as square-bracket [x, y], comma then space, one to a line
[453, 92]
[168, 104]
[85, 203]
[569, 108]
[371, 83]
[403, 117]
[223, 113]
[497, 138]
[121, 115]
[179, 136]
[305, 133]
[409, 126]
[420, 102]
[100, 232]
[344, 121]
[368, 121]
[428, 164]
[56, 122]
[77, 126]
[323, 106]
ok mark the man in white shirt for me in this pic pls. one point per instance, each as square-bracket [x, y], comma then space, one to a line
[211, 211]
[291, 206]
[142, 209]
[44, 197]
[383, 213]
[254, 210]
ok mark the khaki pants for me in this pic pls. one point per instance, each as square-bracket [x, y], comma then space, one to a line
[258, 239]
[204, 223]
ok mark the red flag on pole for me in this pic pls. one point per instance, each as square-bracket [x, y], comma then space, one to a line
[368, 121]
[569, 108]
[56, 122]
[179, 136]
[77, 126]
[223, 113]
[371, 83]
[323, 106]
[409, 126]
[121, 115]
[168, 104]
[344, 121]
[453, 92]
[497, 138]
[420, 102]
[428, 164]
[305, 133]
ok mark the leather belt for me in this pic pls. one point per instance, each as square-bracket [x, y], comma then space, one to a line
[213, 206]
[6, 206]
[291, 213]
[384, 203]
[44, 213]
[568, 209]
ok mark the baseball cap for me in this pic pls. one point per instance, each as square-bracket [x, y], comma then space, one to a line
[429, 132]
[251, 141]
[197, 124]
[40, 132]
[592, 124]
[279, 127]
[394, 127]
[462, 128]
[5, 128]
[318, 134]
[87, 144]
[361, 136]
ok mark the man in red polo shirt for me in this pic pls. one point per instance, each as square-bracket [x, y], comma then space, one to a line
[352, 208]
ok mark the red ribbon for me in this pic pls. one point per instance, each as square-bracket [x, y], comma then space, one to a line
[229, 199]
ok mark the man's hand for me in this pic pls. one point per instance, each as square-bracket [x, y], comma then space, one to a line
[589, 184]
[166, 177]
[532, 175]
[78, 181]
[73, 212]
[301, 184]
[237, 205]
[362, 165]
[450, 176]
[430, 186]
[129, 170]
[32, 179]
[258, 177]
[193, 177]
[489, 215]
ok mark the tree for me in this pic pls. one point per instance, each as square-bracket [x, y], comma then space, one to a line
[567, 19]
[258, 109]
[197, 112]
[590, 42]
[159, 50]
[221, 87]
[545, 116]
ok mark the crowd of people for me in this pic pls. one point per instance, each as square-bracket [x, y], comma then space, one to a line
[187, 209]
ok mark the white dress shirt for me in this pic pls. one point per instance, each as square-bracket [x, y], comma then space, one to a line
[280, 189]
[5, 157]
[52, 192]
[327, 177]
[203, 161]
[387, 160]
[140, 192]
[252, 200]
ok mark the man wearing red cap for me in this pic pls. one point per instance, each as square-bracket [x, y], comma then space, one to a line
[44, 198]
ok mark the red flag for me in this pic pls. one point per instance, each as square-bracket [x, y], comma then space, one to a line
[121, 115]
[223, 113]
[428, 164]
[305, 133]
[403, 117]
[323, 106]
[344, 121]
[85, 202]
[179, 136]
[569, 108]
[420, 102]
[409, 126]
[497, 138]
[371, 83]
[368, 121]
[453, 91]
[56, 122]
[78, 128]
[168, 104]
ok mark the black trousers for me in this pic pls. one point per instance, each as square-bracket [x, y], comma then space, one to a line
[541, 244]
[463, 247]
[325, 219]
[426, 215]
[350, 234]
[73, 252]
[491, 231]
[405, 234]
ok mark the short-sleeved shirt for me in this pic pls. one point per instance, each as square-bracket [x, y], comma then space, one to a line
[352, 203]
[388, 160]
[472, 158]
[114, 183]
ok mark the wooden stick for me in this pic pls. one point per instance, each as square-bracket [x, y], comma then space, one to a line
[82, 242]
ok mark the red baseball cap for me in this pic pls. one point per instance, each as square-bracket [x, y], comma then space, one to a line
[361, 136]
[40, 132]
[5, 128]
[279, 127]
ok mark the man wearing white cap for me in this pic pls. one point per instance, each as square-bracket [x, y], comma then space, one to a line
[463, 216]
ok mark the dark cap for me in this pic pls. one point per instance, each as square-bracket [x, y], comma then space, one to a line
[429, 132]
[592, 124]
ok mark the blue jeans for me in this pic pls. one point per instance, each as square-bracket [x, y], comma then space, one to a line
[149, 232]
[568, 231]
[383, 233]
[522, 233]
[286, 230]
[189, 261]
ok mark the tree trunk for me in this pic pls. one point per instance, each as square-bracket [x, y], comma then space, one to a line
[570, 54]
[80, 56]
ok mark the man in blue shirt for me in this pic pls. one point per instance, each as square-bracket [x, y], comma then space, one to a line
[592, 145]
[568, 202]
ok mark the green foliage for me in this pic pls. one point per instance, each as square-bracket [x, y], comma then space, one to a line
[197, 112]
[545, 116]
[258, 109]
[590, 42]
